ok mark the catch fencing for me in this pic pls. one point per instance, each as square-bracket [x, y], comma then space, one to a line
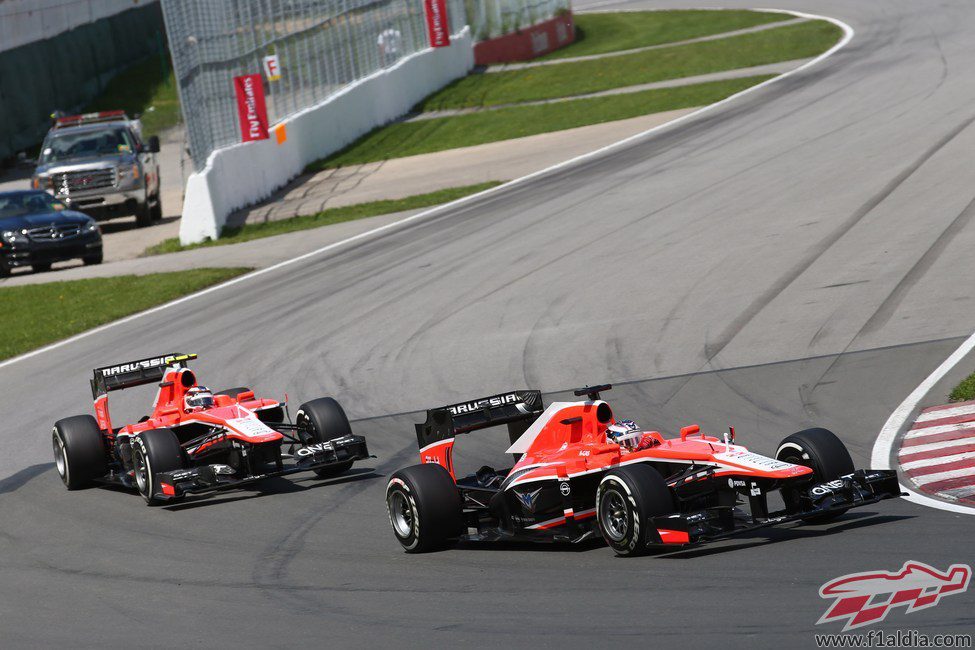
[322, 46]
[494, 18]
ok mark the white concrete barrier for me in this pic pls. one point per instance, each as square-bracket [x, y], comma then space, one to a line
[243, 174]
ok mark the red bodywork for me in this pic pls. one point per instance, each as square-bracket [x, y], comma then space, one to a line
[234, 414]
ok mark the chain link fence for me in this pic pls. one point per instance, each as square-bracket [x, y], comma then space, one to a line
[493, 18]
[321, 45]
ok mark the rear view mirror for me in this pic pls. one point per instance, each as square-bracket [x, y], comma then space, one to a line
[154, 144]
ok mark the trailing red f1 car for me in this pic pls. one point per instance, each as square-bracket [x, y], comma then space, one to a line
[194, 441]
[581, 473]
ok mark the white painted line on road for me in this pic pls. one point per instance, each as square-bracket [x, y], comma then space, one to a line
[941, 476]
[946, 413]
[913, 434]
[882, 447]
[940, 460]
[847, 35]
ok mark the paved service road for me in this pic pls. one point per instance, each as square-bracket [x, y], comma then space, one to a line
[801, 255]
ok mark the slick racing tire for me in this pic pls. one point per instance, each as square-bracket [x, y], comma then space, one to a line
[821, 451]
[79, 451]
[425, 508]
[154, 452]
[273, 414]
[626, 499]
[322, 420]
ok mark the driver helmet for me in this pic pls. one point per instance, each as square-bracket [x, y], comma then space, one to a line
[620, 428]
[198, 398]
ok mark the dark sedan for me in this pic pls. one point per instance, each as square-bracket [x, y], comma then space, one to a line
[37, 230]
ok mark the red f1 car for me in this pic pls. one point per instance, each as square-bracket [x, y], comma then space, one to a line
[194, 441]
[581, 473]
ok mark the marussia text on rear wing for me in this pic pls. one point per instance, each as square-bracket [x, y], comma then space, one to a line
[517, 409]
[134, 373]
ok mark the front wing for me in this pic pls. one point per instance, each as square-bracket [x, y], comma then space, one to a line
[213, 478]
[860, 488]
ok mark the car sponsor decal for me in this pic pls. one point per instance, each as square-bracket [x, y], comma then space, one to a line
[487, 402]
[751, 460]
[250, 427]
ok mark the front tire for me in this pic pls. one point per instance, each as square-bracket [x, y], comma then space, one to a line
[626, 499]
[143, 214]
[322, 420]
[425, 508]
[821, 451]
[96, 258]
[154, 452]
[79, 451]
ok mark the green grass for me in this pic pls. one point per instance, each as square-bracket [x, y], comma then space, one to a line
[611, 32]
[325, 218]
[411, 138]
[964, 391]
[37, 314]
[142, 87]
[567, 79]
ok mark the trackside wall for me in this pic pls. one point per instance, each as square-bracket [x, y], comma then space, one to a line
[242, 174]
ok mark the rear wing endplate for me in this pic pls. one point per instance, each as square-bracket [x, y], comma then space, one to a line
[134, 373]
[518, 409]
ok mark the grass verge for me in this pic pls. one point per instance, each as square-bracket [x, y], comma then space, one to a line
[411, 138]
[567, 79]
[964, 391]
[324, 218]
[38, 314]
[610, 32]
[144, 88]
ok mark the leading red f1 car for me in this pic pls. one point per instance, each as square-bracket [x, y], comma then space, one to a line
[194, 441]
[582, 473]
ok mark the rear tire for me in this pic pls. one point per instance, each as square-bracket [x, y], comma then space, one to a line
[154, 452]
[824, 453]
[425, 508]
[322, 420]
[79, 451]
[626, 499]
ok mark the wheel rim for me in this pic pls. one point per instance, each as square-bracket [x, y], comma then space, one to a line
[59, 459]
[141, 472]
[401, 513]
[612, 515]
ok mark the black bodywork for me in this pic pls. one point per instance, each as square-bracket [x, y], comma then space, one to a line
[42, 236]
[706, 507]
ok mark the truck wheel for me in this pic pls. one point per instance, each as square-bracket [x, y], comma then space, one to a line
[424, 507]
[79, 451]
[626, 499]
[322, 420]
[821, 451]
[154, 452]
[95, 258]
[157, 213]
[143, 215]
[4, 269]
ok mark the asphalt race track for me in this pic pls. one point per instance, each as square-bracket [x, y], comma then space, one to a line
[802, 255]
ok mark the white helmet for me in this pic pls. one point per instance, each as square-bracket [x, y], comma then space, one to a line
[197, 399]
[619, 431]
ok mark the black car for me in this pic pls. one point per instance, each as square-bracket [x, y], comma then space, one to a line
[37, 229]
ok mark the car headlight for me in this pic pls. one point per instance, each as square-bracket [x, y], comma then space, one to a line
[14, 236]
[129, 172]
[42, 183]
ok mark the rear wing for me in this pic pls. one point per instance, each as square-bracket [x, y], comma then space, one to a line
[517, 409]
[134, 373]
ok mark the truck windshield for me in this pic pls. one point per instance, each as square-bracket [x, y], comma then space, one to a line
[86, 144]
